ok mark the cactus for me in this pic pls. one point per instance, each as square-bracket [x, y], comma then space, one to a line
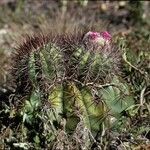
[65, 76]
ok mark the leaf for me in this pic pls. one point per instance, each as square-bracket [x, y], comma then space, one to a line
[31, 107]
[117, 98]
[25, 146]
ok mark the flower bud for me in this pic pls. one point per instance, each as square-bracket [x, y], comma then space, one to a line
[94, 39]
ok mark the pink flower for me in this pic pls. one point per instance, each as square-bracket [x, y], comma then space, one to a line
[92, 35]
[100, 38]
[106, 35]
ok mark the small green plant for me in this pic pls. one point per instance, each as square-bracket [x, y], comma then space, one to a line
[68, 83]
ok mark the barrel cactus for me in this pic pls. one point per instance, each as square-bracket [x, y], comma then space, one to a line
[70, 77]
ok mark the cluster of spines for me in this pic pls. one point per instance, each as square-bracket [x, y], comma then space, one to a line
[63, 70]
[21, 68]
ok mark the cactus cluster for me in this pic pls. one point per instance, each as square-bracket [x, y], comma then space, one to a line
[70, 77]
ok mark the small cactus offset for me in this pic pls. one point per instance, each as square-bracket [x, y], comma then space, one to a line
[70, 77]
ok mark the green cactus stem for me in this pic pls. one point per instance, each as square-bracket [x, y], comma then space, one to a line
[63, 74]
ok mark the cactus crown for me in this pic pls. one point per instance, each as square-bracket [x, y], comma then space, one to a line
[72, 51]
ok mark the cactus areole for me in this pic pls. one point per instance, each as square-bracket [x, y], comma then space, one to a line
[77, 81]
